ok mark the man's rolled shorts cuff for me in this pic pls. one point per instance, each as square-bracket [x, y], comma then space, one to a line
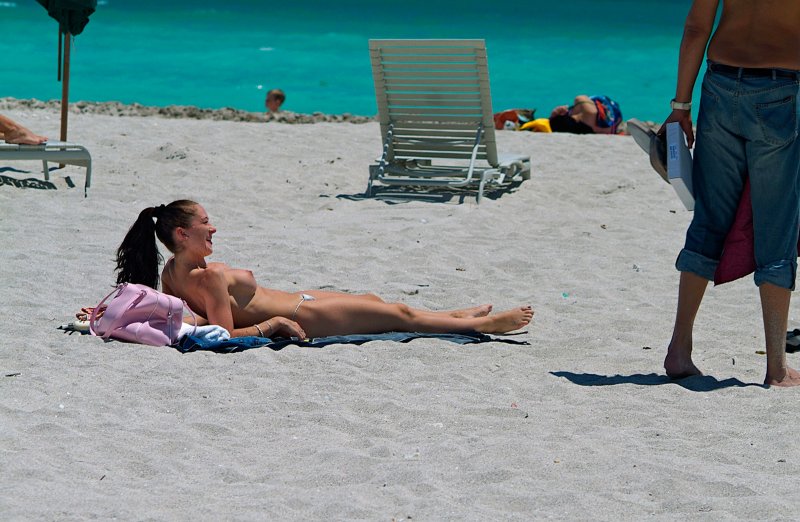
[781, 273]
[695, 263]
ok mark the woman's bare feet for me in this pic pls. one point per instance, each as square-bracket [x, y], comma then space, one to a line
[476, 311]
[22, 136]
[791, 377]
[507, 321]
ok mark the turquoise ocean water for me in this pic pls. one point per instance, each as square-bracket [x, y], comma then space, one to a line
[228, 54]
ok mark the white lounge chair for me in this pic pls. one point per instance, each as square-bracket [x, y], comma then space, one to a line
[434, 105]
[52, 151]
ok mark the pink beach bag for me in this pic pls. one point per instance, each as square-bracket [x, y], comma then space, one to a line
[139, 314]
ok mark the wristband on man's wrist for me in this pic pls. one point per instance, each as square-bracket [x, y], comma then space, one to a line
[681, 106]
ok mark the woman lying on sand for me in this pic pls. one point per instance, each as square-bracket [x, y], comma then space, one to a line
[231, 298]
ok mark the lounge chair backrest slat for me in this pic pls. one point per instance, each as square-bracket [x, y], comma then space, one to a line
[418, 133]
[441, 86]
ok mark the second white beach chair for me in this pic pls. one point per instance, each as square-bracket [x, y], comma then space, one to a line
[435, 113]
[51, 151]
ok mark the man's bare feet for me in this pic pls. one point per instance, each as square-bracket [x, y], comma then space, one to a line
[791, 377]
[22, 136]
[476, 311]
[507, 321]
[678, 365]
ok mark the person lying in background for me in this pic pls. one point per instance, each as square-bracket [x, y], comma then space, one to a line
[587, 115]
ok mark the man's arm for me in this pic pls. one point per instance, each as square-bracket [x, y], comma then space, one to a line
[696, 34]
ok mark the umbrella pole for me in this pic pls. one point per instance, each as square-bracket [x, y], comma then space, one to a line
[65, 88]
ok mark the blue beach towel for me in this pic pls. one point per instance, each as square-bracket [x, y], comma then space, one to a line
[239, 344]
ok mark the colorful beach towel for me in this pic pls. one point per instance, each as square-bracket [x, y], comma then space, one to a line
[609, 114]
[213, 343]
[238, 344]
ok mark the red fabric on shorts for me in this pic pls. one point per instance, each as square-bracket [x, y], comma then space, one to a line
[738, 254]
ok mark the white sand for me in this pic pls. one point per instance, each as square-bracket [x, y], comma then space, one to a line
[581, 424]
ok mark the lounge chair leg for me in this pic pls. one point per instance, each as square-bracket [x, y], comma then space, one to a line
[88, 182]
[45, 171]
[480, 188]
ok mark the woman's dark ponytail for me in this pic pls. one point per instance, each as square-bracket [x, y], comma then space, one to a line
[138, 257]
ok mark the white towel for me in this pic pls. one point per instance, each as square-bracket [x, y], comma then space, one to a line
[211, 332]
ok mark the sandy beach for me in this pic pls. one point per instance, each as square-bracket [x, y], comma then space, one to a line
[579, 424]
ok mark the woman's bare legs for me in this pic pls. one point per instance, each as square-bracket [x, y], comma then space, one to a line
[344, 316]
[327, 294]
[475, 311]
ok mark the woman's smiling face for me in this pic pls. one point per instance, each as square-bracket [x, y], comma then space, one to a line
[200, 232]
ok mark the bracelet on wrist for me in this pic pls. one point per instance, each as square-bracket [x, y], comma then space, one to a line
[681, 106]
[260, 333]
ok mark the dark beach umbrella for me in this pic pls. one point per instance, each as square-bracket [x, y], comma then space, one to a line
[72, 16]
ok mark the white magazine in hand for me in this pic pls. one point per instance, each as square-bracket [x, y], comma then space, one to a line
[679, 164]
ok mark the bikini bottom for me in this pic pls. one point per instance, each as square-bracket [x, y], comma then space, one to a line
[303, 297]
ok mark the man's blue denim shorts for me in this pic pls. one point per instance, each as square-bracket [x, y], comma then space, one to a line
[747, 127]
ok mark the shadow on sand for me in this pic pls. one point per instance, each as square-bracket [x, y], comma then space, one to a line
[701, 383]
[395, 195]
[33, 183]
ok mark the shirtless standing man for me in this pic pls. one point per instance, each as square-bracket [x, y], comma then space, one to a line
[747, 127]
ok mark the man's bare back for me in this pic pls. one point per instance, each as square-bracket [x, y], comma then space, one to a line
[758, 33]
